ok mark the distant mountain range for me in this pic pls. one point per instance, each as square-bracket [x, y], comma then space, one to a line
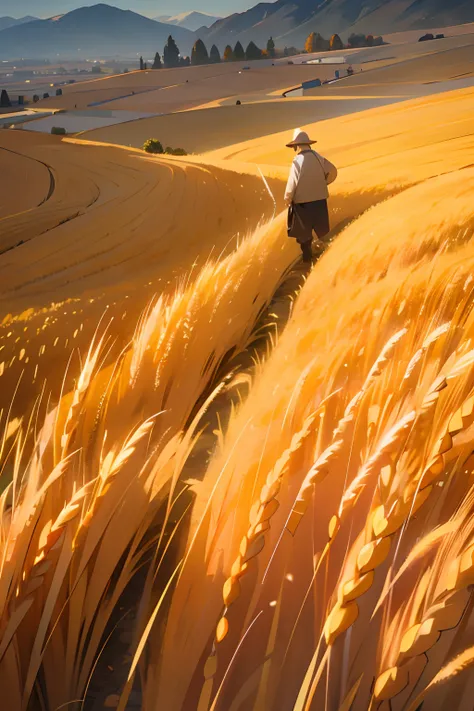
[6, 22]
[105, 31]
[192, 20]
[290, 21]
[91, 32]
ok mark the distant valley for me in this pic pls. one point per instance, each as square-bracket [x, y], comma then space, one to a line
[102, 31]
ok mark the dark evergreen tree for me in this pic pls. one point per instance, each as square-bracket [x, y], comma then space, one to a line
[271, 47]
[253, 52]
[142, 65]
[356, 40]
[171, 53]
[5, 99]
[157, 63]
[199, 53]
[239, 54]
[214, 55]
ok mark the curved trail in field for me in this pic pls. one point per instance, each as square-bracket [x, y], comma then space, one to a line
[116, 219]
[18, 170]
[114, 228]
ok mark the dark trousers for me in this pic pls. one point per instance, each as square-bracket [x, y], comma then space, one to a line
[306, 250]
[306, 218]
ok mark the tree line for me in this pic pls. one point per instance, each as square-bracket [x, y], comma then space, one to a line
[200, 55]
[317, 43]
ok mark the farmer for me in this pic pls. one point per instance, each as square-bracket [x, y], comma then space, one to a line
[306, 193]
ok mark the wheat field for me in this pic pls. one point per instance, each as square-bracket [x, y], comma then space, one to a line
[318, 552]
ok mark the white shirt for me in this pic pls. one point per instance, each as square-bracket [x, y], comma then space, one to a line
[310, 175]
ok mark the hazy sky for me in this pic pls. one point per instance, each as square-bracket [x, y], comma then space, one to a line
[151, 8]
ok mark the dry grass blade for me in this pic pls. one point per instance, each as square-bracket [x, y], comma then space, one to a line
[350, 698]
[422, 548]
[141, 645]
[455, 667]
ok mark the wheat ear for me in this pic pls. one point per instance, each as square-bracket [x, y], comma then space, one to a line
[320, 468]
[443, 614]
[383, 525]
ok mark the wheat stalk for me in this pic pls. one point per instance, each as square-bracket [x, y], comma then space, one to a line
[320, 468]
[376, 370]
[82, 386]
[251, 545]
[444, 613]
[385, 521]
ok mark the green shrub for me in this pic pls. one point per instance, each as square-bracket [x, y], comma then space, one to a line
[58, 131]
[153, 146]
[176, 151]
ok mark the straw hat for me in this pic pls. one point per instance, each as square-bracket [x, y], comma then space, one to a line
[300, 138]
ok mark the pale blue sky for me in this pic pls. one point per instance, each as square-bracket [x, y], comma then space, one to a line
[151, 8]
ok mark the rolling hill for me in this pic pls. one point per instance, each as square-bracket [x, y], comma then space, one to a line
[290, 21]
[97, 31]
[192, 20]
[6, 22]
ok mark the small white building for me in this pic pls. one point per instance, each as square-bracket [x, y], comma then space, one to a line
[330, 59]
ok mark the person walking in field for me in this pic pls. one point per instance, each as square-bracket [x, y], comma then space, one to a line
[307, 193]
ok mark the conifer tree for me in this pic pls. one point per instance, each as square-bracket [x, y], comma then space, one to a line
[253, 52]
[157, 63]
[171, 53]
[5, 99]
[239, 53]
[214, 55]
[199, 53]
[271, 47]
[142, 65]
